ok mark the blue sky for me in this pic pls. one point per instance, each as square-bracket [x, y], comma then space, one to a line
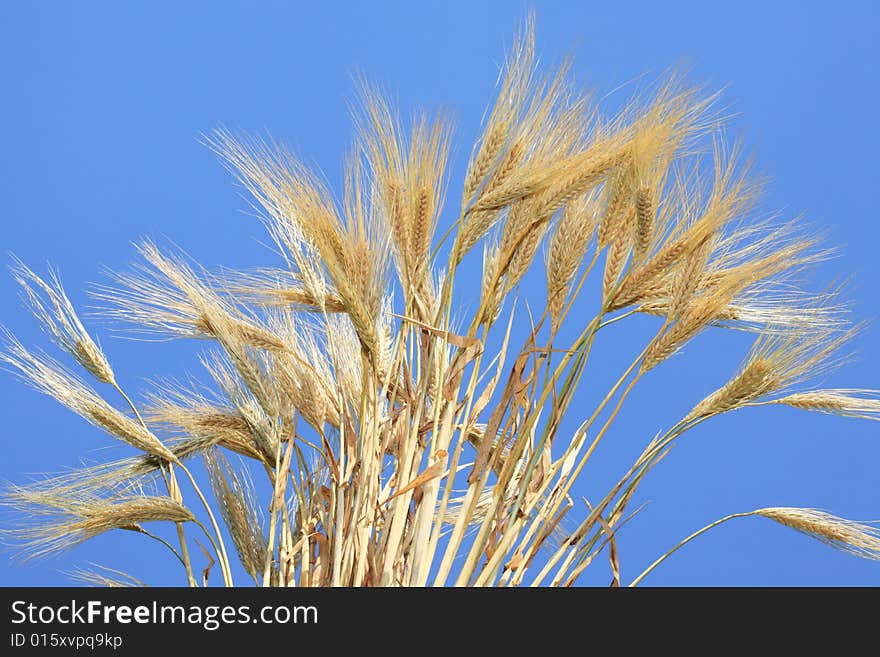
[104, 102]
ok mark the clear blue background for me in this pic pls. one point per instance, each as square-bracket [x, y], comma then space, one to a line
[102, 104]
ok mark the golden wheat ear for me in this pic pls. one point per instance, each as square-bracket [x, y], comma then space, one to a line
[301, 211]
[235, 498]
[495, 144]
[406, 178]
[66, 521]
[104, 577]
[782, 359]
[200, 423]
[856, 538]
[567, 249]
[51, 378]
[50, 305]
[849, 402]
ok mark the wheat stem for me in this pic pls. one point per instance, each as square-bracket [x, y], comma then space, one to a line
[684, 542]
